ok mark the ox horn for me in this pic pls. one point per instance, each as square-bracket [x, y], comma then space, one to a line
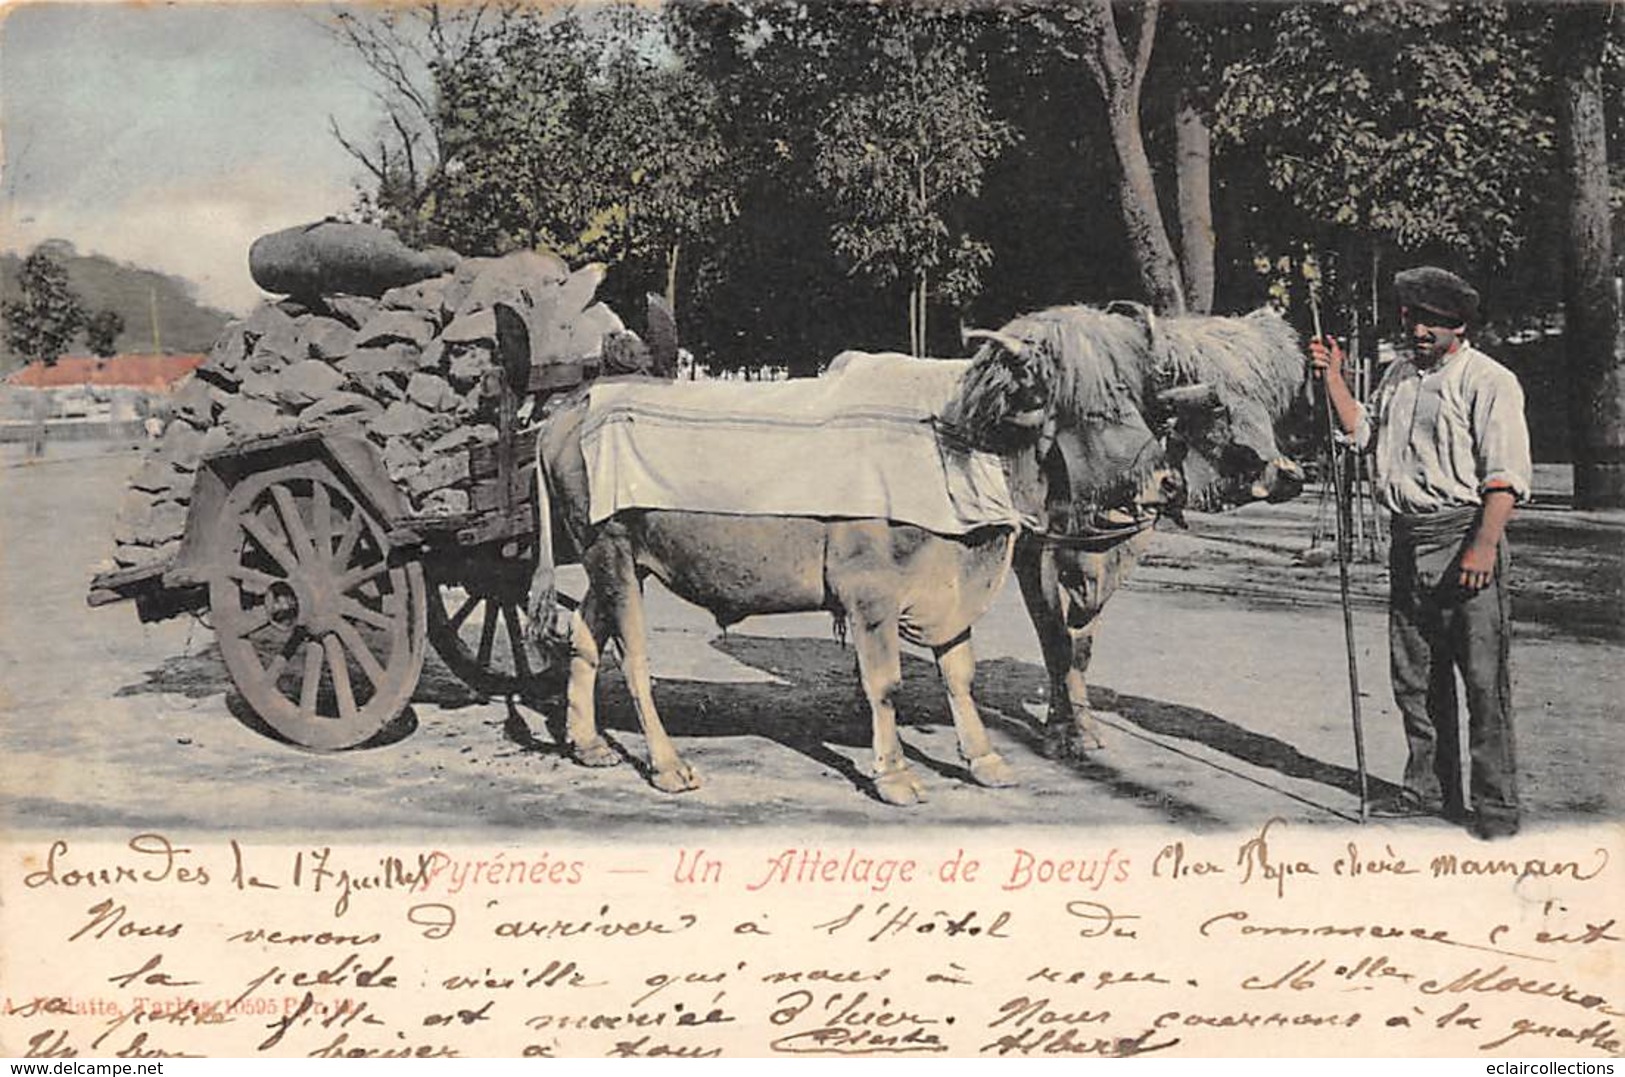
[1141, 313]
[1202, 394]
[1012, 344]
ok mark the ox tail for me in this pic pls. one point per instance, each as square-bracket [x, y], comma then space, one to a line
[544, 592]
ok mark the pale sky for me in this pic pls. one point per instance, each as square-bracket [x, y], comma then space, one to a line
[172, 135]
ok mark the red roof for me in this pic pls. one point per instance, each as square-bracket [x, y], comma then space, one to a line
[152, 372]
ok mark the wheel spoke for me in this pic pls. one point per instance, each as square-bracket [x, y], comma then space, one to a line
[488, 634]
[293, 523]
[270, 543]
[356, 611]
[322, 513]
[253, 620]
[463, 611]
[341, 677]
[273, 672]
[363, 655]
[521, 664]
[352, 534]
[312, 681]
[360, 575]
[253, 580]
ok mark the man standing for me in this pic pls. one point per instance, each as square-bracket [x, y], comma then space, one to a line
[1451, 453]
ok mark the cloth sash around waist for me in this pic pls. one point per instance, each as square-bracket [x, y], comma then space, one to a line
[1429, 544]
[1435, 528]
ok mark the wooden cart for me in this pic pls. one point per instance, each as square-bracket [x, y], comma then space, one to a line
[324, 590]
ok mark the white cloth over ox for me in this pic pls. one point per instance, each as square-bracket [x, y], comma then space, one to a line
[859, 442]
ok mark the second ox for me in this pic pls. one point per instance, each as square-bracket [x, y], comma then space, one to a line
[1217, 389]
[1028, 435]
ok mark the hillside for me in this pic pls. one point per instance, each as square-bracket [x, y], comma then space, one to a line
[184, 324]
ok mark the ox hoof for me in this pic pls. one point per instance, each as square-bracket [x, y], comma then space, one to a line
[596, 754]
[900, 788]
[992, 771]
[676, 779]
[1067, 740]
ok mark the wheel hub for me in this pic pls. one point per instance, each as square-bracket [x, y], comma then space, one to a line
[313, 602]
[282, 600]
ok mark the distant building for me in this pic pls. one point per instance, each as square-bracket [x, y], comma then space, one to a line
[123, 388]
[149, 373]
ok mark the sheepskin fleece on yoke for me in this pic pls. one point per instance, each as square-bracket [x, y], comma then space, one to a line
[859, 442]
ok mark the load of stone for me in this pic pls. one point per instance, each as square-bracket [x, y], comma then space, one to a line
[405, 366]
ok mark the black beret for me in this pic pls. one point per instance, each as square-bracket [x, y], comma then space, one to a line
[1437, 290]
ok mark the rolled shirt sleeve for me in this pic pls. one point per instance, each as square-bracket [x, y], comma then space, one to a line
[1364, 431]
[1501, 435]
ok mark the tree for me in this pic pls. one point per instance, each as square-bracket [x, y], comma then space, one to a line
[1393, 129]
[1591, 331]
[45, 317]
[102, 331]
[577, 131]
[654, 147]
[409, 51]
[1118, 63]
[898, 156]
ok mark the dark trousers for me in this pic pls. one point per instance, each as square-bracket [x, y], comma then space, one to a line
[1435, 627]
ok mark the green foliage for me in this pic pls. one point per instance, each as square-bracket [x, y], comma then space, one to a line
[46, 315]
[572, 130]
[102, 331]
[1419, 123]
[899, 154]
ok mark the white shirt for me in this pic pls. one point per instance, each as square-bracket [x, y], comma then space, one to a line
[1442, 435]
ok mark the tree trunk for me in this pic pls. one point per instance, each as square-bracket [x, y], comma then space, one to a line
[1591, 333]
[922, 290]
[671, 276]
[1119, 80]
[1194, 165]
[913, 323]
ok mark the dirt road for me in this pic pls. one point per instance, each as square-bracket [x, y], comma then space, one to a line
[1220, 673]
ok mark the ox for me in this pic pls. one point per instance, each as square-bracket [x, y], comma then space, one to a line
[1074, 400]
[888, 581]
[1216, 387]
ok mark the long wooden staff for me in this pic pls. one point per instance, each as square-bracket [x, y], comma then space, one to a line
[1343, 556]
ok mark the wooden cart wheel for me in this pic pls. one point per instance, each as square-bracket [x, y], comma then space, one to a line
[323, 637]
[478, 624]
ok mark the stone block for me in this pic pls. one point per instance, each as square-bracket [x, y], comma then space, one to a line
[195, 402]
[156, 476]
[431, 392]
[182, 445]
[469, 366]
[249, 417]
[307, 381]
[395, 326]
[400, 458]
[512, 276]
[260, 386]
[402, 419]
[444, 502]
[353, 310]
[327, 338]
[433, 356]
[437, 473]
[471, 327]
